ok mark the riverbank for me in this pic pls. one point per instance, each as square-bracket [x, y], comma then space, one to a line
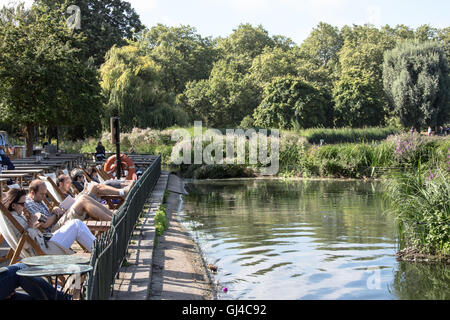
[178, 270]
[414, 255]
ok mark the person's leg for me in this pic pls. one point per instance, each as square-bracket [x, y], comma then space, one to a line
[99, 190]
[71, 231]
[8, 162]
[9, 281]
[92, 208]
[35, 287]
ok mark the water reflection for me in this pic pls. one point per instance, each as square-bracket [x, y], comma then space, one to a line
[290, 239]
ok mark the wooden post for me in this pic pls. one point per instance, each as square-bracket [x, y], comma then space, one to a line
[115, 139]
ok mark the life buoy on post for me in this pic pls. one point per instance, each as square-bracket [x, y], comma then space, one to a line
[126, 164]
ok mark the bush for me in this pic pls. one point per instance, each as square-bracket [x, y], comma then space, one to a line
[420, 202]
[161, 224]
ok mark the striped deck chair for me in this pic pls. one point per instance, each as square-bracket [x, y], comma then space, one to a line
[24, 243]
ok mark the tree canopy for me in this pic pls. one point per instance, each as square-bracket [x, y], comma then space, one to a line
[104, 23]
[416, 81]
[42, 80]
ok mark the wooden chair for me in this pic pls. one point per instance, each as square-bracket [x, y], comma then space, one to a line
[103, 174]
[53, 192]
[19, 240]
[57, 196]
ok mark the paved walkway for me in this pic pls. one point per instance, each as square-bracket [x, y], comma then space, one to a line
[178, 270]
[174, 269]
[134, 279]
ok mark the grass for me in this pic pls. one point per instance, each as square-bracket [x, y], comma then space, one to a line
[420, 202]
[349, 153]
[161, 224]
[346, 135]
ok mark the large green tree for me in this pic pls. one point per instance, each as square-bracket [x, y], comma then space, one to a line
[224, 99]
[289, 100]
[131, 83]
[358, 93]
[42, 80]
[104, 22]
[181, 52]
[245, 43]
[318, 56]
[416, 81]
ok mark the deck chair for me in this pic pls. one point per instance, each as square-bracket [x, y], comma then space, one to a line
[21, 241]
[51, 175]
[53, 192]
[103, 174]
[56, 195]
[88, 178]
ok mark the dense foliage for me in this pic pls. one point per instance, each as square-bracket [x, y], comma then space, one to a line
[162, 76]
[43, 81]
[416, 80]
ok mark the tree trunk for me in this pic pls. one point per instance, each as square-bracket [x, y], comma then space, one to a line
[30, 139]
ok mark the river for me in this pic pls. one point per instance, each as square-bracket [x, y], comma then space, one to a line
[304, 239]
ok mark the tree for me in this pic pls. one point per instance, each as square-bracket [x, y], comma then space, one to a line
[288, 100]
[416, 81]
[181, 52]
[245, 43]
[272, 63]
[224, 99]
[358, 93]
[104, 22]
[42, 80]
[131, 83]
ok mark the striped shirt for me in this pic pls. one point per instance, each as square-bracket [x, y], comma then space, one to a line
[34, 207]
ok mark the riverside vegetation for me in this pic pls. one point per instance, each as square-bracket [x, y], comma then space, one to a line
[415, 168]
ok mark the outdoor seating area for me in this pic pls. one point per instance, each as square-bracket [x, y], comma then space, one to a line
[111, 234]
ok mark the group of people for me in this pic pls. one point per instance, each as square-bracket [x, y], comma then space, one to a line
[58, 227]
[442, 131]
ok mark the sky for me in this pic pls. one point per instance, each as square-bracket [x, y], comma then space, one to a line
[291, 18]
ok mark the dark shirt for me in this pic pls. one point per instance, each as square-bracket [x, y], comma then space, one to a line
[100, 150]
[79, 186]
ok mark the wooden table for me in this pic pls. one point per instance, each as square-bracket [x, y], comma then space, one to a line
[36, 167]
[33, 172]
[15, 176]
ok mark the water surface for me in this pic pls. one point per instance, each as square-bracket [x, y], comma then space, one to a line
[291, 239]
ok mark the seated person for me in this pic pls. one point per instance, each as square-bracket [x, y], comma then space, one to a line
[97, 190]
[10, 281]
[64, 184]
[93, 174]
[71, 231]
[6, 163]
[53, 221]
[100, 153]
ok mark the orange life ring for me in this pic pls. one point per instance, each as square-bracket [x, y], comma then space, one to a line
[126, 164]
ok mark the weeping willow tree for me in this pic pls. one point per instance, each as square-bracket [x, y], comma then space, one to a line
[130, 81]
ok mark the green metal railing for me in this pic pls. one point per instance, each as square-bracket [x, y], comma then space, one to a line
[110, 249]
